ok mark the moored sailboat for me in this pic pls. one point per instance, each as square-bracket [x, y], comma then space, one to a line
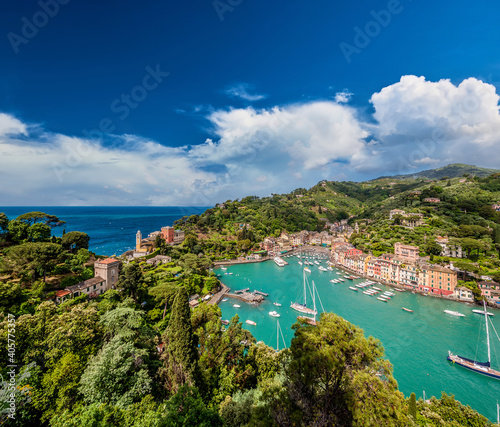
[302, 308]
[473, 365]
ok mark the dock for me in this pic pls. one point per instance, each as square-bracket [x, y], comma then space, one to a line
[242, 291]
[247, 297]
[260, 293]
[216, 299]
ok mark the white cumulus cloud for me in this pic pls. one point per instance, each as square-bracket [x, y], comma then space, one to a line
[416, 124]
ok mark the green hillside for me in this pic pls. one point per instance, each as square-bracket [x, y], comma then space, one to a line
[454, 170]
[464, 213]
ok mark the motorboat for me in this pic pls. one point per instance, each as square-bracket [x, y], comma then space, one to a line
[484, 313]
[454, 313]
[274, 314]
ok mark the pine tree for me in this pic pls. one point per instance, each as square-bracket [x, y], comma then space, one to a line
[412, 406]
[180, 357]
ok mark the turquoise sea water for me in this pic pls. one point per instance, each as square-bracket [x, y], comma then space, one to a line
[416, 343]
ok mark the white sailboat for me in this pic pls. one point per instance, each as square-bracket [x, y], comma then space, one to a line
[311, 321]
[473, 365]
[302, 308]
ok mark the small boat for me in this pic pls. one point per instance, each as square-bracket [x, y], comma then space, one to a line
[483, 313]
[377, 289]
[407, 309]
[333, 281]
[368, 293]
[454, 313]
[277, 304]
[251, 322]
[225, 322]
[353, 289]
[274, 314]
[223, 268]
[236, 305]
[306, 269]
[381, 299]
[399, 290]
[300, 262]
[224, 300]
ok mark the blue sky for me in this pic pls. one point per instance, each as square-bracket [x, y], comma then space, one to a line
[113, 102]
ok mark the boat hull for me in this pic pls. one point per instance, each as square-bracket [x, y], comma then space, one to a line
[467, 365]
[301, 309]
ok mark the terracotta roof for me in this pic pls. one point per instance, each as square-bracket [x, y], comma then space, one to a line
[107, 261]
[62, 293]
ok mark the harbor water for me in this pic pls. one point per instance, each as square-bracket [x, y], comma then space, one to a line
[416, 343]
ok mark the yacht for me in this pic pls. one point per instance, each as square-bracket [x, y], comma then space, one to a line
[236, 305]
[487, 313]
[251, 322]
[454, 313]
[274, 314]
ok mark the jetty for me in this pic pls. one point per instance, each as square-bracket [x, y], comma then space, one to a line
[242, 291]
[247, 297]
[260, 293]
[216, 299]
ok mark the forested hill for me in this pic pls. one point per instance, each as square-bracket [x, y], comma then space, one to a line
[454, 170]
[462, 208]
[309, 209]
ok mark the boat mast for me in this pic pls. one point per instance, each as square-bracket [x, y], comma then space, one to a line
[487, 331]
[278, 336]
[305, 293]
[314, 300]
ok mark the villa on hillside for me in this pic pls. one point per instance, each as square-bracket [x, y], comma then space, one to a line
[432, 200]
[449, 250]
[409, 219]
[106, 274]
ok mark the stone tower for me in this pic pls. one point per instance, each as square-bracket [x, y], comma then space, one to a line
[109, 270]
[138, 240]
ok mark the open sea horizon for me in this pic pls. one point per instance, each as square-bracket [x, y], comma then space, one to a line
[112, 229]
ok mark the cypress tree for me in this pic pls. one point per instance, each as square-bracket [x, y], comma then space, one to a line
[180, 357]
[412, 406]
